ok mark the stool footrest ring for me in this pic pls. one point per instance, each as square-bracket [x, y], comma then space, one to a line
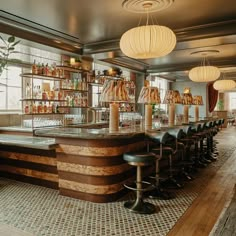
[150, 186]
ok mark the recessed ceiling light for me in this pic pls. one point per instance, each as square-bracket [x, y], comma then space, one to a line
[56, 41]
[77, 46]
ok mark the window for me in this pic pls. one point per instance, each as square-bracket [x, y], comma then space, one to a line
[162, 86]
[232, 101]
[10, 87]
[11, 81]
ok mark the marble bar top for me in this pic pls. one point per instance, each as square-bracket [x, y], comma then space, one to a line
[27, 142]
[28, 130]
[16, 128]
[83, 133]
[102, 133]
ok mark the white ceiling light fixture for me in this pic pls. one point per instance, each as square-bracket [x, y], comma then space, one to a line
[148, 41]
[205, 72]
[224, 84]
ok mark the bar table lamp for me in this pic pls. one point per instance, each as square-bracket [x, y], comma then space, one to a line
[149, 96]
[114, 91]
[197, 101]
[171, 98]
[187, 100]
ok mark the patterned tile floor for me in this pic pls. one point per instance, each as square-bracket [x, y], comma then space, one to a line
[42, 211]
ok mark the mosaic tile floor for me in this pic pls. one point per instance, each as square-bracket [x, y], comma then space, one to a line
[41, 211]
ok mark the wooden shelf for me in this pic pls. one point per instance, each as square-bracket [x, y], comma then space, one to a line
[73, 90]
[40, 100]
[72, 69]
[44, 77]
[72, 107]
[32, 114]
[95, 84]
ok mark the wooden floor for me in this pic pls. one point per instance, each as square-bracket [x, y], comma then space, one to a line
[226, 225]
[201, 217]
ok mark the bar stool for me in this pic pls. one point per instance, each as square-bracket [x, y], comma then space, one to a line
[182, 143]
[140, 159]
[169, 149]
[203, 134]
[159, 138]
[196, 136]
[210, 152]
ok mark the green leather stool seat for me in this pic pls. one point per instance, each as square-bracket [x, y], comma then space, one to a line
[140, 158]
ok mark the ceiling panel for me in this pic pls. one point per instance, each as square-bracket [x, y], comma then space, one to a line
[99, 24]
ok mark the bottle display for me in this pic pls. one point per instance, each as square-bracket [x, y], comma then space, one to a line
[52, 90]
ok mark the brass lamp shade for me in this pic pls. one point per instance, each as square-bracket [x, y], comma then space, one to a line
[187, 99]
[197, 100]
[172, 97]
[149, 95]
[114, 91]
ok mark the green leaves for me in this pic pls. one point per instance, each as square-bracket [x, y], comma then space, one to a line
[11, 39]
[6, 51]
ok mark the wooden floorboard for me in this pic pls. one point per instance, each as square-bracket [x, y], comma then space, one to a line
[201, 217]
[227, 223]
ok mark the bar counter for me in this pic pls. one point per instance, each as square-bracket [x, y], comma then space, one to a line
[90, 161]
[85, 163]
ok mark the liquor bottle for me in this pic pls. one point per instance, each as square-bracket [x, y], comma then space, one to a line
[34, 109]
[79, 84]
[40, 110]
[39, 69]
[45, 108]
[39, 92]
[73, 101]
[42, 69]
[57, 109]
[46, 70]
[52, 94]
[84, 84]
[28, 91]
[30, 108]
[53, 108]
[50, 108]
[76, 84]
[35, 92]
[34, 68]
[26, 109]
[44, 95]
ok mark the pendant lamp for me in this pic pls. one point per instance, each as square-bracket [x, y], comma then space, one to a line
[224, 85]
[205, 72]
[150, 40]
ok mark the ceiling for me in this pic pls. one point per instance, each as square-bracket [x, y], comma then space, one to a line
[94, 28]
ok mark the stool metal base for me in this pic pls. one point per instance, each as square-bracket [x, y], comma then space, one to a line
[158, 193]
[172, 183]
[140, 207]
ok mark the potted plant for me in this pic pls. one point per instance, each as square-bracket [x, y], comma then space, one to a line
[6, 50]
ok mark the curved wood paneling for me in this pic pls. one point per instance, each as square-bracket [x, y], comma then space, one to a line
[96, 171]
[29, 165]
